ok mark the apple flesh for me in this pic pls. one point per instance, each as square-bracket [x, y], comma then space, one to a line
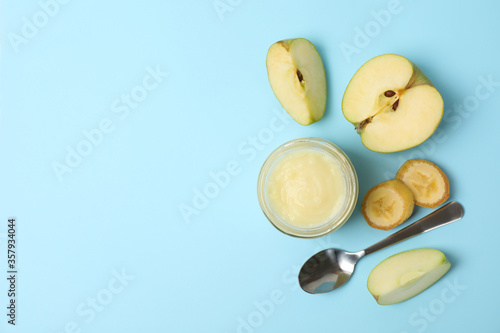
[392, 104]
[298, 79]
[406, 274]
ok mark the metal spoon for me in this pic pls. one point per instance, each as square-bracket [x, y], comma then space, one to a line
[331, 268]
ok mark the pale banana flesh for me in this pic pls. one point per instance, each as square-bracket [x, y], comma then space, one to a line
[387, 205]
[426, 181]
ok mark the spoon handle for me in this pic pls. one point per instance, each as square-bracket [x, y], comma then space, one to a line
[449, 213]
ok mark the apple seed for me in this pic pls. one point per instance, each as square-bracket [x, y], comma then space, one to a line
[395, 105]
[389, 93]
[299, 75]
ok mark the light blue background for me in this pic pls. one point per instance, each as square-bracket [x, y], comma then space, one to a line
[119, 209]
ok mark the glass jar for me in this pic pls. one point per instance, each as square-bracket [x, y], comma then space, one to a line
[348, 173]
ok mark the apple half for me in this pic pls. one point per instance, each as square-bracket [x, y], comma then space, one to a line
[406, 274]
[298, 79]
[392, 104]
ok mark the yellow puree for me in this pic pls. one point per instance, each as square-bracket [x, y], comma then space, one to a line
[306, 188]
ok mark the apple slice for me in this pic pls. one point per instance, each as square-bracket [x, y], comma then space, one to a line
[406, 274]
[392, 104]
[298, 80]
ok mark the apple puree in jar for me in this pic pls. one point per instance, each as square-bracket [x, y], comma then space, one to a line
[306, 188]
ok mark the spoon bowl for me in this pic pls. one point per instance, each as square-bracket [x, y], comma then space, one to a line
[327, 270]
[331, 268]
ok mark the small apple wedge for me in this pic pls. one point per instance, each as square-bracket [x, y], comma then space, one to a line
[406, 274]
[392, 104]
[298, 79]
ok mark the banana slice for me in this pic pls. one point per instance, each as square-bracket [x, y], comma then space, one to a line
[387, 205]
[427, 181]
